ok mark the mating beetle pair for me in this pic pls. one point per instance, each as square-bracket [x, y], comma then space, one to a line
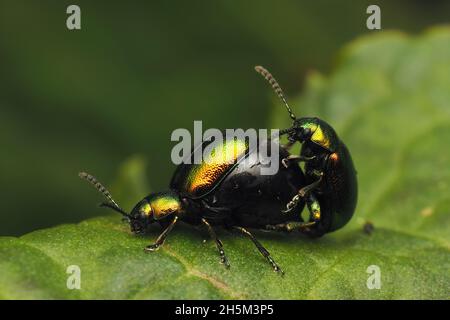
[233, 194]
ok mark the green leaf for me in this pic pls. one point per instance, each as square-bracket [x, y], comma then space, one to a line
[389, 100]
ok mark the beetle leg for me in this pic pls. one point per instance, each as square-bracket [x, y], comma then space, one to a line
[302, 193]
[304, 227]
[261, 249]
[291, 226]
[294, 158]
[162, 237]
[219, 245]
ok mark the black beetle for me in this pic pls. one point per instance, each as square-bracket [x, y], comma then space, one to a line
[232, 194]
[331, 190]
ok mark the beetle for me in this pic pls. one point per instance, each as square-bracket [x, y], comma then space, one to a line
[232, 193]
[332, 190]
[223, 190]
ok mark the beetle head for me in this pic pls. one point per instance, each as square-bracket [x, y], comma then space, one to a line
[153, 208]
[316, 131]
[303, 129]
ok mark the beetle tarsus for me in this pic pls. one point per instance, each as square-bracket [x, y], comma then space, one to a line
[275, 266]
[219, 244]
[291, 226]
[224, 261]
[293, 203]
[261, 249]
[152, 247]
[302, 193]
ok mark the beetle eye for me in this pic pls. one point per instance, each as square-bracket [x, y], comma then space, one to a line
[306, 133]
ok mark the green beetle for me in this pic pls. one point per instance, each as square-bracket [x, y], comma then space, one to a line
[332, 189]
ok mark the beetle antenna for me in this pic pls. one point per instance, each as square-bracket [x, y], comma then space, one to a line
[112, 204]
[276, 87]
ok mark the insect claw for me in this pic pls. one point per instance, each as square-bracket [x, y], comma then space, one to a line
[289, 207]
[279, 271]
[151, 248]
[225, 263]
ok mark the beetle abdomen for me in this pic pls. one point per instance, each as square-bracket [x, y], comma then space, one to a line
[255, 200]
[341, 190]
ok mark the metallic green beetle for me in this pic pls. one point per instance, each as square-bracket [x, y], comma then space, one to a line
[332, 190]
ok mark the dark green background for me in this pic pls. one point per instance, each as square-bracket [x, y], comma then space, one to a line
[91, 99]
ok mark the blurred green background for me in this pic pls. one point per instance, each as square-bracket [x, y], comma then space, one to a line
[91, 99]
